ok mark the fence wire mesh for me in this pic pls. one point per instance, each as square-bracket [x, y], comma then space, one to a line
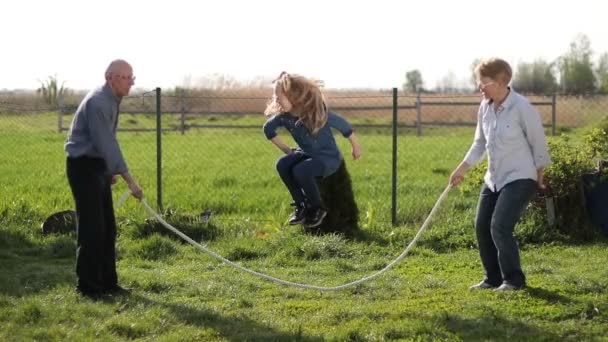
[33, 133]
[215, 156]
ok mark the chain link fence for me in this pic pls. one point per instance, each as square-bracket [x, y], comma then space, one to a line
[32, 135]
[204, 151]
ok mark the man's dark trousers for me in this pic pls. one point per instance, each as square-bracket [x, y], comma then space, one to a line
[95, 224]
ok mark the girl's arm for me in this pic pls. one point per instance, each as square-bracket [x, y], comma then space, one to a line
[270, 130]
[281, 145]
[336, 121]
[356, 148]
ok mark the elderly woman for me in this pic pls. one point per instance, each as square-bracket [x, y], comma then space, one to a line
[510, 131]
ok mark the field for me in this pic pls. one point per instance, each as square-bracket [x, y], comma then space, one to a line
[365, 106]
[182, 294]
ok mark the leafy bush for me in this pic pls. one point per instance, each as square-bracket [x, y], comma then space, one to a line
[571, 159]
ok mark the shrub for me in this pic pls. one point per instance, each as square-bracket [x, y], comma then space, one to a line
[571, 159]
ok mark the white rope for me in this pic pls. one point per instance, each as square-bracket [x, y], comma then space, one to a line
[290, 283]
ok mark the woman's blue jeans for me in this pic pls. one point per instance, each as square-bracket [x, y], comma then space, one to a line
[497, 214]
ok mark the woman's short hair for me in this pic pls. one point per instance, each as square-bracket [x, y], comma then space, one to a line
[494, 68]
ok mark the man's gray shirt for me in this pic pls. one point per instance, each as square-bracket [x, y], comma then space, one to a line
[93, 130]
[514, 139]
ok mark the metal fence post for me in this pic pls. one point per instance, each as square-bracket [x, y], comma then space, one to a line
[553, 114]
[394, 185]
[159, 187]
[183, 110]
[418, 115]
[60, 113]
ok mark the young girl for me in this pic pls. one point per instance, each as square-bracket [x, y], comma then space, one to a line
[298, 105]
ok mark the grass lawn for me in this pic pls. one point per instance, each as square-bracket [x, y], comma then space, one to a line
[180, 293]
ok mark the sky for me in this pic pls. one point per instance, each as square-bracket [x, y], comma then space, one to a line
[347, 44]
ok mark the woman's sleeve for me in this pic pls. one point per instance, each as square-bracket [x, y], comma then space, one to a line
[535, 134]
[478, 147]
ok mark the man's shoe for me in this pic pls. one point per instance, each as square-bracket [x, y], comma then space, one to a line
[508, 287]
[483, 285]
[94, 295]
[299, 214]
[118, 290]
[315, 217]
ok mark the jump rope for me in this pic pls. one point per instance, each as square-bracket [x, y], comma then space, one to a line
[287, 282]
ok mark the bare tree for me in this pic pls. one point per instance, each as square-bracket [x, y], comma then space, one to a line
[51, 91]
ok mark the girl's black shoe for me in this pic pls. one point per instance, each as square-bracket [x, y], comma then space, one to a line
[299, 214]
[315, 217]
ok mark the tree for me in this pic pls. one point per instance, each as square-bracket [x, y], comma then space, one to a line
[536, 77]
[576, 69]
[413, 81]
[602, 73]
[218, 81]
[51, 91]
[447, 84]
[450, 83]
[472, 67]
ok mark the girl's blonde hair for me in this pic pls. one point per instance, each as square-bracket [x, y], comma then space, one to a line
[306, 98]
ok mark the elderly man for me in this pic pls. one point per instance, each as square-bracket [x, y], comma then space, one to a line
[94, 160]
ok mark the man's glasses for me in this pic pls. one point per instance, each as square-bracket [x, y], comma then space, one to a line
[127, 78]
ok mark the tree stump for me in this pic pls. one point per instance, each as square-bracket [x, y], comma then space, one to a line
[63, 222]
[339, 200]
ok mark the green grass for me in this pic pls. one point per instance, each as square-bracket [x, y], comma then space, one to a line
[183, 294]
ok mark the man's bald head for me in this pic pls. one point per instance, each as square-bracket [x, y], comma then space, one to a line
[118, 66]
[119, 75]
